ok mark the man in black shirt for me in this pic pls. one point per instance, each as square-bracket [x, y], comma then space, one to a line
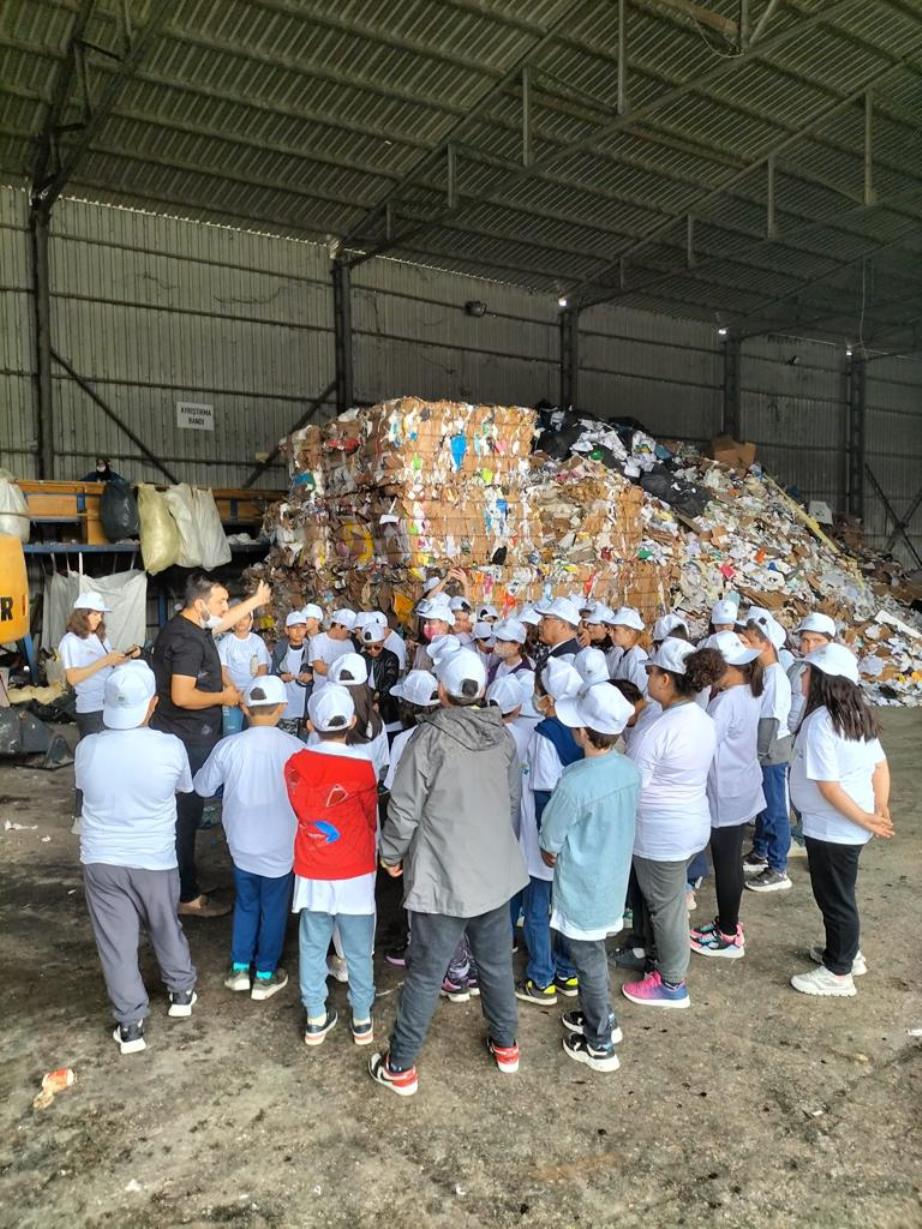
[191, 692]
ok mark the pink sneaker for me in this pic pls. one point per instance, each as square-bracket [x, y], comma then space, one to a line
[651, 991]
[709, 941]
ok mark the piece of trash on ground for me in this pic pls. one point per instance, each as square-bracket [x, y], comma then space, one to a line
[53, 1082]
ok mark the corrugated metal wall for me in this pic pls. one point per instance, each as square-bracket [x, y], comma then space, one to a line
[894, 447]
[17, 413]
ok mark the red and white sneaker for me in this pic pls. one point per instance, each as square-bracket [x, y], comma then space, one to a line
[403, 1083]
[506, 1057]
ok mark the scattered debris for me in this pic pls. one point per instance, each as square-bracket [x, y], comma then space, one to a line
[9, 826]
[133, 1187]
[53, 1082]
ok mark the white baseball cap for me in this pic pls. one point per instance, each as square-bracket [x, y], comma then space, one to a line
[506, 694]
[819, 623]
[297, 618]
[731, 648]
[757, 612]
[835, 660]
[666, 625]
[771, 627]
[599, 613]
[436, 608]
[128, 692]
[351, 664]
[724, 611]
[265, 692]
[443, 647]
[459, 673]
[671, 655]
[91, 600]
[483, 631]
[345, 618]
[560, 608]
[312, 611]
[419, 687]
[603, 709]
[591, 665]
[509, 629]
[373, 633]
[559, 678]
[430, 583]
[487, 612]
[460, 603]
[530, 615]
[379, 617]
[627, 616]
[331, 709]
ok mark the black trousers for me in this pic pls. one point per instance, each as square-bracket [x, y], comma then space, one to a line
[189, 808]
[727, 855]
[833, 875]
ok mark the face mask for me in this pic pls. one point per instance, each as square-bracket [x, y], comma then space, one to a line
[429, 632]
[211, 622]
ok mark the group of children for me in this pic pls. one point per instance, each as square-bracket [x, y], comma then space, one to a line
[488, 783]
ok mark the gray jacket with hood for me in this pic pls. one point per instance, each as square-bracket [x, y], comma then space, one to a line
[452, 813]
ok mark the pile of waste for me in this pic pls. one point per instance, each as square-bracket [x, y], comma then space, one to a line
[533, 503]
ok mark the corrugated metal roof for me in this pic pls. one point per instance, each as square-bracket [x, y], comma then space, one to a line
[305, 117]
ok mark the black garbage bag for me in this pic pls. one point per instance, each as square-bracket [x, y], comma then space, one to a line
[118, 511]
[682, 496]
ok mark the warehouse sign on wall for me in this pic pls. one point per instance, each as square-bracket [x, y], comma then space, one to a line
[194, 417]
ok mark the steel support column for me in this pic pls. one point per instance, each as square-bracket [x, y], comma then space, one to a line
[342, 327]
[39, 227]
[732, 416]
[857, 422]
[569, 357]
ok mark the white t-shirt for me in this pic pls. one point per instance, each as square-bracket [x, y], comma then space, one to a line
[258, 820]
[398, 646]
[652, 711]
[632, 667]
[541, 770]
[398, 746]
[378, 750]
[786, 659]
[77, 653]
[776, 698]
[333, 896]
[734, 786]
[237, 656]
[674, 757]
[613, 660]
[324, 648]
[820, 754]
[130, 779]
[296, 708]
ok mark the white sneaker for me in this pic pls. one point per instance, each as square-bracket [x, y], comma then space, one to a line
[859, 964]
[238, 980]
[821, 982]
[336, 967]
[75, 826]
[797, 850]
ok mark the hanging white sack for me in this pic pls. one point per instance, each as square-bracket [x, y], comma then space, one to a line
[14, 510]
[124, 592]
[215, 550]
[181, 502]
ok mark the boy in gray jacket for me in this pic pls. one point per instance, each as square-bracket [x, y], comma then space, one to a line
[450, 828]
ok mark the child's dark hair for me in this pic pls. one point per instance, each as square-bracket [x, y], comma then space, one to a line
[759, 630]
[368, 723]
[411, 714]
[679, 632]
[471, 695]
[328, 736]
[754, 674]
[601, 742]
[703, 668]
[539, 681]
[843, 700]
[629, 690]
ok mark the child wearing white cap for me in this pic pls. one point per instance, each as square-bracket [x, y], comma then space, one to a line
[815, 632]
[552, 747]
[673, 757]
[437, 619]
[327, 647]
[766, 863]
[734, 790]
[333, 790]
[646, 711]
[291, 662]
[626, 631]
[723, 616]
[840, 783]
[508, 655]
[88, 659]
[367, 732]
[383, 669]
[587, 838]
[260, 828]
[244, 656]
[130, 775]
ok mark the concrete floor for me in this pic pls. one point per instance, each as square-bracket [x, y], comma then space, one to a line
[757, 1108]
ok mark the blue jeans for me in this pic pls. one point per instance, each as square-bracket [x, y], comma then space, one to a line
[260, 913]
[357, 933]
[231, 721]
[773, 827]
[697, 868]
[548, 955]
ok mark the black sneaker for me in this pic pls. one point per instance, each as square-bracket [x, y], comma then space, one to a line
[363, 1031]
[634, 958]
[314, 1034]
[579, 1049]
[130, 1037]
[753, 864]
[528, 992]
[181, 1003]
[403, 1083]
[265, 987]
[769, 880]
[567, 986]
[575, 1022]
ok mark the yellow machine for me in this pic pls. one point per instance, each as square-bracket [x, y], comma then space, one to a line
[14, 590]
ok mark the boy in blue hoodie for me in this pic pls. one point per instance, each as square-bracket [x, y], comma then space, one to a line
[551, 749]
[587, 836]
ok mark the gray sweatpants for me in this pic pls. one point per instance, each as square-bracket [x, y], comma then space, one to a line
[120, 900]
[663, 924]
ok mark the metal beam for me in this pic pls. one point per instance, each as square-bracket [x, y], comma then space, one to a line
[763, 22]
[771, 225]
[702, 16]
[305, 418]
[342, 335]
[690, 241]
[39, 228]
[857, 431]
[526, 117]
[622, 58]
[869, 193]
[902, 525]
[731, 421]
[112, 416]
[888, 509]
[569, 357]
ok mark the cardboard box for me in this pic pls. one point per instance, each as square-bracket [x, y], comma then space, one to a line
[726, 450]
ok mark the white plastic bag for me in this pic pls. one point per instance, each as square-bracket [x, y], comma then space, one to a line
[125, 594]
[181, 502]
[14, 511]
[160, 541]
[212, 538]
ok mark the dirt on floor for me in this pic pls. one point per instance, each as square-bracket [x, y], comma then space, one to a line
[759, 1107]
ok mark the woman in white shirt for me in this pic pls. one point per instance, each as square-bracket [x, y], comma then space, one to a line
[88, 659]
[734, 790]
[673, 819]
[840, 783]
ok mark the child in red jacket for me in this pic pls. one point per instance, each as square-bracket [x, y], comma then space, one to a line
[333, 790]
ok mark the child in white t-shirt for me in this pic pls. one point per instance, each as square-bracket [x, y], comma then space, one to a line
[326, 648]
[244, 656]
